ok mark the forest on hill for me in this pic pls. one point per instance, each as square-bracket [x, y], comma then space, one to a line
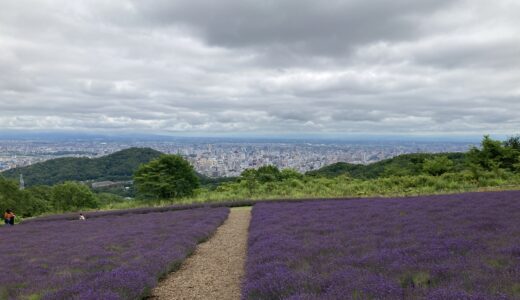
[117, 166]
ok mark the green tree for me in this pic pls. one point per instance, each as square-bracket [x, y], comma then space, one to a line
[9, 195]
[26, 203]
[511, 159]
[268, 173]
[36, 200]
[42, 192]
[70, 196]
[248, 178]
[168, 177]
[494, 155]
[253, 179]
[438, 165]
[513, 142]
[290, 174]
[392, 170]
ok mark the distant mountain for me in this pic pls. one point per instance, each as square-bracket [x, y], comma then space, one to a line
[120, 165]
[406, 164]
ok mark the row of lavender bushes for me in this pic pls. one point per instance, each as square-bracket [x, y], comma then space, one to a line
[173, 207]
[176, 207]
[118, 257]
[464, 246]
[136, 211]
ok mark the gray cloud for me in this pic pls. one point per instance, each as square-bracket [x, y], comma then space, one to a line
[275, 67]
[321, 26]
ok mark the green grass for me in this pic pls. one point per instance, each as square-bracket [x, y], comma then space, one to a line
[340, 187]
[312, 187]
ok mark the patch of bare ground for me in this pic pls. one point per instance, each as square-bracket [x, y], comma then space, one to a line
[216, 268]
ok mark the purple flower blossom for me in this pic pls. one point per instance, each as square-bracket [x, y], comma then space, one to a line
[437, 247]
[111, 257]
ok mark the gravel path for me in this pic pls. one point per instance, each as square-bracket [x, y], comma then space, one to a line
[216, 269]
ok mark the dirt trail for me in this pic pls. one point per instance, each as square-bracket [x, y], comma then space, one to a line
[216, 269]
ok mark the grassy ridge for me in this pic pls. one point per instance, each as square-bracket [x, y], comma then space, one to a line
[406, 164]
[343, 186]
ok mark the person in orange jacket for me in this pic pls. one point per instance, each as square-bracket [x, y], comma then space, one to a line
[9, 217]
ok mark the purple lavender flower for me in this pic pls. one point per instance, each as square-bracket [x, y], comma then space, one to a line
[111, 257]
[461, 246]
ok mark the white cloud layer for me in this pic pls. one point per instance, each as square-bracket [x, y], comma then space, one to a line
[262, 67]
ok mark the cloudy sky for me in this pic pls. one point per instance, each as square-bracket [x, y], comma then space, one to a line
[246, 67]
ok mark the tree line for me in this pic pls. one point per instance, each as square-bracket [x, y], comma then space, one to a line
[36, 200]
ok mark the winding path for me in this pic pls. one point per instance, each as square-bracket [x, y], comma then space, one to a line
[216, 269]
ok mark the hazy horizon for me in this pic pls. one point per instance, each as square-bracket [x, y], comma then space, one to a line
[439, 69]
[114, 136]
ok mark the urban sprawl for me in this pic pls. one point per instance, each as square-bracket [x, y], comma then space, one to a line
[226, 158]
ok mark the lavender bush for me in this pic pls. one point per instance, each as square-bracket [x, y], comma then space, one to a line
[142, 210]
[116, 257]
[464, 246]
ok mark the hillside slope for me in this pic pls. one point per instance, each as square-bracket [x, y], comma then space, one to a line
[406, 164]
[117, 166]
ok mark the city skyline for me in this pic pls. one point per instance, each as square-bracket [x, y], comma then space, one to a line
[224, 157]
[287, 68]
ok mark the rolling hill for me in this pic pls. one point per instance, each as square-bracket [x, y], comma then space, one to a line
[406, 164]
[117, 166]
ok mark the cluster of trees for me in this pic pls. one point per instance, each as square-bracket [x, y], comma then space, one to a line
[36, 200]
[265, 175]
[495, 156]
[166, 177]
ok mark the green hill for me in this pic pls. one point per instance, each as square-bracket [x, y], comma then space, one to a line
[406, 164]
[117, 166]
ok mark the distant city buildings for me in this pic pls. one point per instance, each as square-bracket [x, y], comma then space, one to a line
[227, 158]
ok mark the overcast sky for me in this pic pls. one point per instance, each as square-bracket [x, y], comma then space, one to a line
[280, 67]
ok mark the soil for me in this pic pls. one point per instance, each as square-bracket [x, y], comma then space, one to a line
[216, 268]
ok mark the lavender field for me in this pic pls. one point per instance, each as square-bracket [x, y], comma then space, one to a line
[117, 257]
[438, 247]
